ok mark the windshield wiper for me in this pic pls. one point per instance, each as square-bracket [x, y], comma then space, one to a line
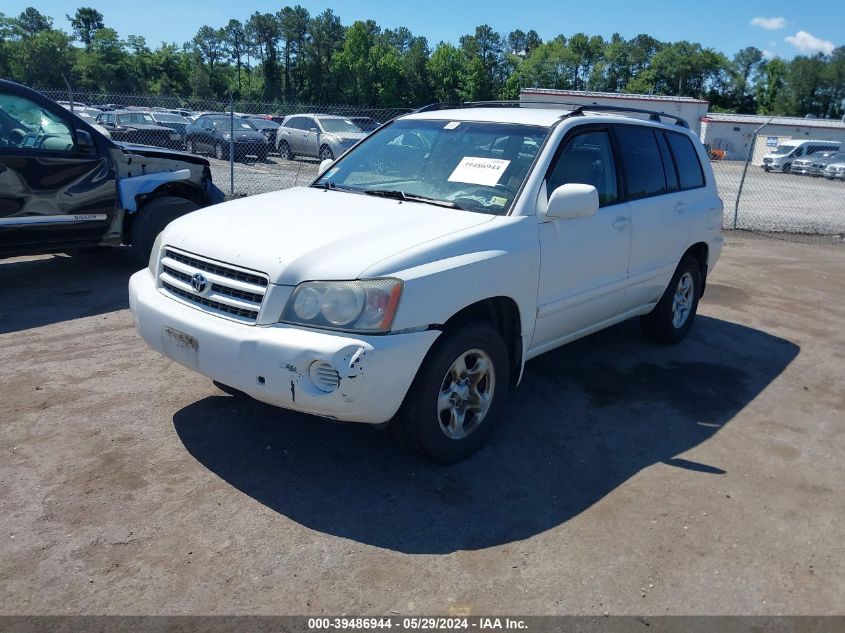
[401, 195]
[330, 185]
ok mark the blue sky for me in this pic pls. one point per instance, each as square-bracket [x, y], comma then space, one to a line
[781, 28]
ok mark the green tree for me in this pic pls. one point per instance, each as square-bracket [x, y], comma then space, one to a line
[444, 68]
[294, 23]
[85, 22]
[325, 39]
[31, 22]
[264, 30]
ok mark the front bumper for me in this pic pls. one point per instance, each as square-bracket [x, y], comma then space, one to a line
[272, 363]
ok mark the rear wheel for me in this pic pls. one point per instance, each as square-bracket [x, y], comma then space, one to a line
[189, 147]
[219, 153]
[673, 315]
[151, 220]
[459, 392]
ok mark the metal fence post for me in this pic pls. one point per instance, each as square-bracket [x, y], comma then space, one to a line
[231, 144]
[745, 170]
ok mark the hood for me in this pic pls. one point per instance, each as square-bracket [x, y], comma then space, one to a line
[348, 137]
[144, 127]
[245, 135]
[312, 234]
[160, 152]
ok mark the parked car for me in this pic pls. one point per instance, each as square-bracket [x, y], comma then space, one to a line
[64, 186]
[409, 283]
[822, 159]
[782, 158]
[322, 136]
[89, 115]
[175, 122]
[266, 126]
[212, 134]
[366, 123]
[835, 169]
[138, 127]
[812, 165]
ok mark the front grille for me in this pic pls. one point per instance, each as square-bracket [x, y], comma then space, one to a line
[229, 292]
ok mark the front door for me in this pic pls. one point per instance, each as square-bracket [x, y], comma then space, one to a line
[583, 261]
[51, 192]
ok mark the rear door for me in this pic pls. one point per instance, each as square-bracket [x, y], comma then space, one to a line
[663, 204]
[51, 192]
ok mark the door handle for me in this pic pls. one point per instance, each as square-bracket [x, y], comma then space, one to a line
[621, 223]
[680, 206]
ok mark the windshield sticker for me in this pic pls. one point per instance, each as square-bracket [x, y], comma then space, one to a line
[479, 171]
[498, 201]
[451, 125]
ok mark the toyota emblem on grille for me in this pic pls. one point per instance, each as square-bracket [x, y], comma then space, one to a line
[199, 283]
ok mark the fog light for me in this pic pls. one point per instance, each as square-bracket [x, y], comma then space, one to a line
[324, 376]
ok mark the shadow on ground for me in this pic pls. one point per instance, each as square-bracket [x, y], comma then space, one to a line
[57, 288]
[586, 418]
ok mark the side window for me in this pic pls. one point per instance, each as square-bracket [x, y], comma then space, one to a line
[668, 163]
[641, 161]
[587, 159]
[799, 152]
[690, 174]
[26, 125]
[295, 123]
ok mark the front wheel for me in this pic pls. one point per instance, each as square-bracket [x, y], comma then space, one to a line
[452, 405]
[151, 220]
[326, 153]
[219, 153]
[189, 147]
[284, 151]
[673, 315]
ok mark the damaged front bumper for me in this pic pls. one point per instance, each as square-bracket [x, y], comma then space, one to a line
[280, 364]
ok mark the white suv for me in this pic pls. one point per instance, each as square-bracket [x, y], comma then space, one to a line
[414, 278]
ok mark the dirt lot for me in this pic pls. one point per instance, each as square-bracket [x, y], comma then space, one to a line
[630, 478]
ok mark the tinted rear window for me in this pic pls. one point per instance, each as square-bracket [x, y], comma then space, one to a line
[641, 161]
[686, 158]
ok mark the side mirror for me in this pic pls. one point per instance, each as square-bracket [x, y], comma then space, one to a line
[324, 166]
[572, 201]
[315, 130]
[84, 142]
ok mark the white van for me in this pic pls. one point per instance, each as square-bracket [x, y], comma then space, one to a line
[781, 158]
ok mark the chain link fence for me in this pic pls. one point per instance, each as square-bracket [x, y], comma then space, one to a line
[247, 157]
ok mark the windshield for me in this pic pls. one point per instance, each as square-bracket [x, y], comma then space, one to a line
[476, 166]
[339, 126]
[170, 118]
[263, 124]
[783, 149]
[136, 118]
[224, 124]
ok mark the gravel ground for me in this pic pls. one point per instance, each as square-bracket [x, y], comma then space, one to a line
[770, 202]
[704, 478]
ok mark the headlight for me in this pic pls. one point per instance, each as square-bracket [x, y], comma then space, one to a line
[358, 306]
[153, 263]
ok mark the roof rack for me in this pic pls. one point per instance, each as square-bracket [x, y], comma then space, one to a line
[575, 109]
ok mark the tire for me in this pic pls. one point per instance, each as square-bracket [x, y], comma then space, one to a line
[189, 147]
[219, 153]
[420, 425]
[326, 153]
[284, 151]
[672, 317]
[786, 168]
[152, 218]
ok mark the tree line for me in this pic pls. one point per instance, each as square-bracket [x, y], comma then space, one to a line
[291, 56]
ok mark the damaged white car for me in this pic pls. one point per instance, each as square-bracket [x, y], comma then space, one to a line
[409, 284]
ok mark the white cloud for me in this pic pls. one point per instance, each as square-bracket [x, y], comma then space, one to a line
[770, 24]
[769, 54]
[807, 43]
